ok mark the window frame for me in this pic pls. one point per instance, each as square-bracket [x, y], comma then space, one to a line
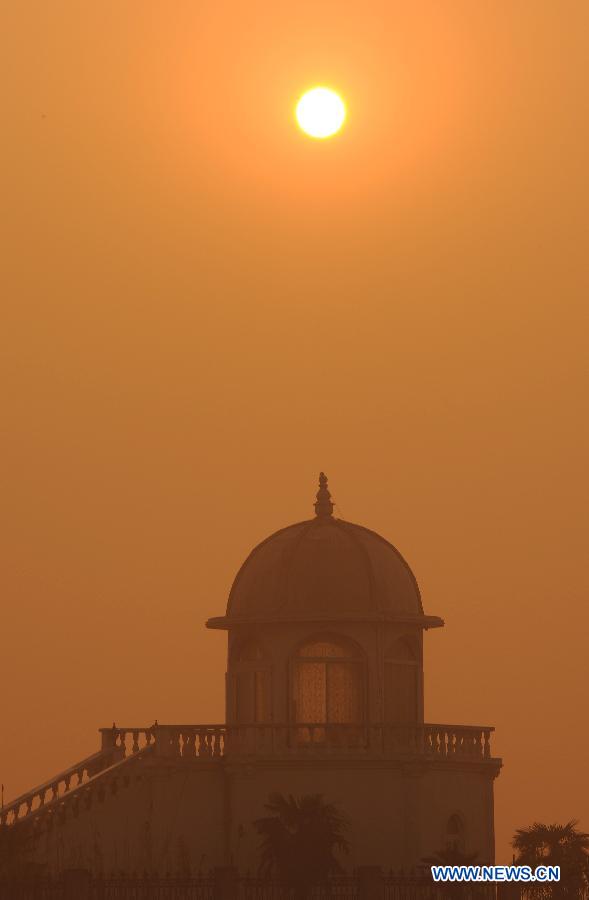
[357, 659]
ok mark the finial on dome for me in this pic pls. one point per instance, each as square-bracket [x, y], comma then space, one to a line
[323, 504]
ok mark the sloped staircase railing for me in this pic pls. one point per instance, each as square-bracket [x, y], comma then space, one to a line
[56, 787]
[47, 796]
[105, 782]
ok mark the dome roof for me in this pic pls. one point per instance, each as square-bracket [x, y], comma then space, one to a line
[324, 569]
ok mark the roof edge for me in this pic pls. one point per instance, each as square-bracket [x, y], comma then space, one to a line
[227, 622]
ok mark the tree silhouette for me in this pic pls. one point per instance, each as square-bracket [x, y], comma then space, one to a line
[300, 839]
[555, 845]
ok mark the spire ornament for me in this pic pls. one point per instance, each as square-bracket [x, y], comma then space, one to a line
[323, 504]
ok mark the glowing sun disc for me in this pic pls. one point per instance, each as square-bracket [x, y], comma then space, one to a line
[320, 112]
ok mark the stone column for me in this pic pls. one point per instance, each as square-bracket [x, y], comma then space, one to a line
[107, 738]
[370, 883]
[490, 808]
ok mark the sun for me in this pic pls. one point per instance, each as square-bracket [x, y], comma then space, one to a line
[320, 112]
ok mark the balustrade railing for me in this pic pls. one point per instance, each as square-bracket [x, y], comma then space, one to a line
[438, 741]
[106, 781]
[117, 744]
[56, 787]
[216, 741]
[213, 742]
[127, 741]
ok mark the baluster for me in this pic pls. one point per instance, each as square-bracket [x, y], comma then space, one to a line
[66, 781]
[190, 744]
[175, 743]
[440, 742]
[443, 735]
[55, 790]
[29, 805]
[479, 743]
[202, 750]
[217, 743]
[487, 746]
[451, 743]
[135, 742]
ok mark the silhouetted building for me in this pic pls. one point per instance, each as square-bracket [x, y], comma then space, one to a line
[324, 694]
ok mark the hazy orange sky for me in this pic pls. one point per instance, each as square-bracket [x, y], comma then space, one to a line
[202, 308]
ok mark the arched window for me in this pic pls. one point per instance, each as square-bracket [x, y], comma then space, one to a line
[401, 683]
[455, 833]
[250, 677]
[328, 682]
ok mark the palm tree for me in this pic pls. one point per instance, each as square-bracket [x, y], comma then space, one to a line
[299, 840]
[555, 845]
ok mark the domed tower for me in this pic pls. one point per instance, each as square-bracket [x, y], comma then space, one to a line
[325, 626]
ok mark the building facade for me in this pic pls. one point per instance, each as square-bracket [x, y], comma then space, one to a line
[324, 695]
